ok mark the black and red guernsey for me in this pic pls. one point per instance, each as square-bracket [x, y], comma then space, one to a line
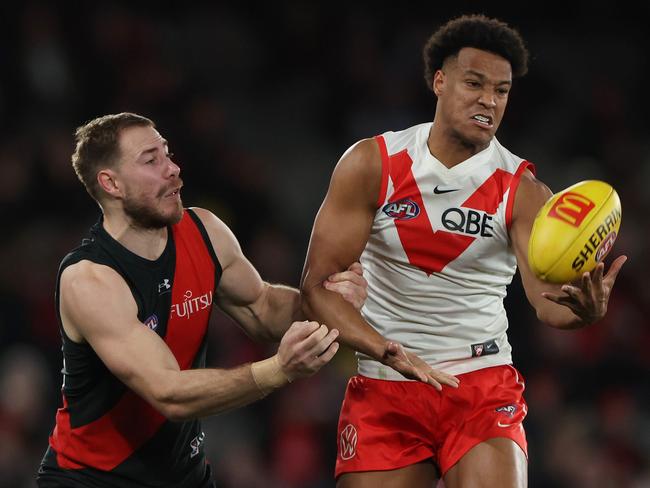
[105, 434]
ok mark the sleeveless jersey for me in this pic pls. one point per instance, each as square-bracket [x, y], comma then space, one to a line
[105, 434]
[438, 258]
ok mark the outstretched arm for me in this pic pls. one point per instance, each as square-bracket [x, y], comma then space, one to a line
[340, 233]
[142, 361]
[565, 306]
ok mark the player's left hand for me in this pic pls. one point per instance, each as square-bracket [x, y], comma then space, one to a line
[413, 367]
[350, 284]
[588, 299]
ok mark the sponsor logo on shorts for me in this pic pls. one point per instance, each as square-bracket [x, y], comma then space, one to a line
[348, 442]
[404, 209]
[509, 411]
[501, 424]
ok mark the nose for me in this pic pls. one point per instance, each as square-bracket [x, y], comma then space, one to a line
[173, 168]
[487, 99]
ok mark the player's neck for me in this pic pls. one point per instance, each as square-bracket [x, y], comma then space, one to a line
[449, 149]
[146, 243]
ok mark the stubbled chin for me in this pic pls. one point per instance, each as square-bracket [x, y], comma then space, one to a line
[475, 142]
[176, 218]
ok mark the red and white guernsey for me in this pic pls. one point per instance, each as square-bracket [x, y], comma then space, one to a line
[438, 258]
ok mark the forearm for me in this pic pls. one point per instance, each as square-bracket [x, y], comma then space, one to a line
[331, 309]
[269, 315]
[280, 309]
[199, 393]
[558, 316]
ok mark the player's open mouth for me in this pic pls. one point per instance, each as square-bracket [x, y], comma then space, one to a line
[483, 120]
[174, 193]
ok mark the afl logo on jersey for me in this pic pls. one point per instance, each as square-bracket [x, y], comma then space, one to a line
[151, 322]
[404, 209]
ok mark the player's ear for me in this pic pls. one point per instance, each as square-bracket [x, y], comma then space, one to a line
[108, 182]
[438, 82]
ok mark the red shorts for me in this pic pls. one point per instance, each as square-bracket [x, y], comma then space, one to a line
[388, 425]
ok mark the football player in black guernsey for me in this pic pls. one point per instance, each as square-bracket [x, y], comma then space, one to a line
[133, 303]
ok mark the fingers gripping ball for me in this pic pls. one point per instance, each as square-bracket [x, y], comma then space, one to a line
[574, 231]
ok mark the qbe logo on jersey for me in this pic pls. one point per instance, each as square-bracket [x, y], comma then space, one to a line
[348, 442]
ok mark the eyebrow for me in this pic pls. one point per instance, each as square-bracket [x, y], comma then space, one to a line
[153, 149]
[483, 77]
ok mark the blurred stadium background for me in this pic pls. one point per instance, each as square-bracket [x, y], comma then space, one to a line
[258, 102]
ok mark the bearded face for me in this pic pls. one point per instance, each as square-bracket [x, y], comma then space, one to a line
[147, 181]
[166, 208]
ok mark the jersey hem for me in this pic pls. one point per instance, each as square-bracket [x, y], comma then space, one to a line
[376, 370]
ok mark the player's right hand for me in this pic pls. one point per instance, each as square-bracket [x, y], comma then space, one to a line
[305, 348]
[350, 284]
[414, 368]
[588, 298]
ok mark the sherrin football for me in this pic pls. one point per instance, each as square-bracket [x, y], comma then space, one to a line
[574, 231]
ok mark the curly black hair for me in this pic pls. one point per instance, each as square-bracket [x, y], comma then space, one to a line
[476, 31]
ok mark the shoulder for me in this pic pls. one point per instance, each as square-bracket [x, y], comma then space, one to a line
[531, 195]
[223, 240]
[532, 187]
[85, 278]
[88, 291]
[359, 169]
[362, 157]
[357, 176]
[207, 218]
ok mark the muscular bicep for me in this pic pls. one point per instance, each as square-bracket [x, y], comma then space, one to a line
[240, 283]
[241, 295]
[98, 306]
[341, 231]
[344, 220]
[241, 291]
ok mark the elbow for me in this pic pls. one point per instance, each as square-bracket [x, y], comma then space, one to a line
[176, 413]
[307, 297]
[546, 319]
[559, 321]
[165, 400]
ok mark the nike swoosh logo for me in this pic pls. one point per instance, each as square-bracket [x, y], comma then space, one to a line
[440, 192]
[507, 425]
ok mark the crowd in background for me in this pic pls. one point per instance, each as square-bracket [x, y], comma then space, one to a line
[257, 105]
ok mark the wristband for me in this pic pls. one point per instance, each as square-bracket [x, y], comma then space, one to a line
[268, 375]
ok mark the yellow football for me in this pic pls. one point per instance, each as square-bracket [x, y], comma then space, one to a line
[574, 231]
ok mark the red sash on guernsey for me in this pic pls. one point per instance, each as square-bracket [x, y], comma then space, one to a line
[108, 441]
[416, 235]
